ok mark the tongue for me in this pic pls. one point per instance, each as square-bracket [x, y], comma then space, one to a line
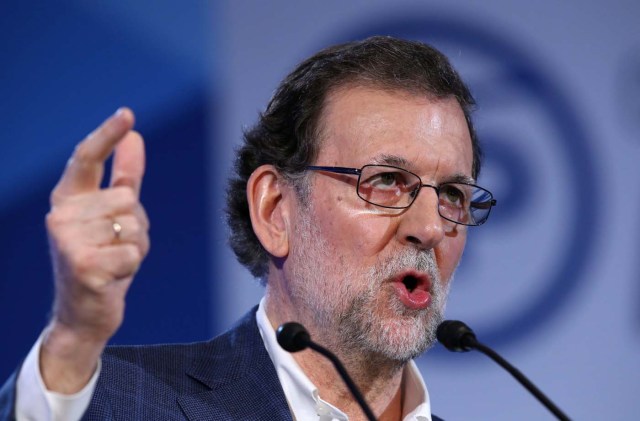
[416, 299]
[418, 295]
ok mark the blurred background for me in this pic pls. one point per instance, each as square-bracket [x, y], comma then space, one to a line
[551, 281]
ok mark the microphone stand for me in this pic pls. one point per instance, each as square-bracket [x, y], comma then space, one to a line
[294, 337]
[345, 376]
[522, 379]
[458, 337]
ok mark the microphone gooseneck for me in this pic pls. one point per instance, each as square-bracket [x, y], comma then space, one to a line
[294, 337]
[458, 337]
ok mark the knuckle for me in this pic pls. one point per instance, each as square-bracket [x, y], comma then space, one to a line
[56, 219]
[143, 217]
[137, 228]
[127, 197]
[55, 196]
[133, 254]
[82, 153]
[128, 261]
[52, 220]
[82, 263]
[145, 245]
[60, 215]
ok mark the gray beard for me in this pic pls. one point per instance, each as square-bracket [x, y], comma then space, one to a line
[410, 332]
[347, 318]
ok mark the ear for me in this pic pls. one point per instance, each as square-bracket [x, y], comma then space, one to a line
[268, 208]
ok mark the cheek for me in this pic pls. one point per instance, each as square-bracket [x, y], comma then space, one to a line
[354, 232]
[368, 234]
[449, 252]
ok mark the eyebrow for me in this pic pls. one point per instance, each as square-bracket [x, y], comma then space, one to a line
[398, 161]
[459, 178]
[394, 160]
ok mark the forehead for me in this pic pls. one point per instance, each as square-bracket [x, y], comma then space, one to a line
[363, 125]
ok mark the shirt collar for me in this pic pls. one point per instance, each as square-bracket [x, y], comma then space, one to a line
[303, 397]
[416, 403]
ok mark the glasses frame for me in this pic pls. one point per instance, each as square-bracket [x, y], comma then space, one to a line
[358, 171]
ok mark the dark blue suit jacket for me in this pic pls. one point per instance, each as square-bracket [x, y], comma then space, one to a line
[230, 377]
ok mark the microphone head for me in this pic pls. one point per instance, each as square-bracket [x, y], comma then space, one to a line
[456, 336]
[293, 337]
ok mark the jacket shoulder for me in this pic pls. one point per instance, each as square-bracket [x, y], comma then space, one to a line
[170, 380]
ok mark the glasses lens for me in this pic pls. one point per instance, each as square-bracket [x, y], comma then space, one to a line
[481, 204]
[387, 186]
[464, 203]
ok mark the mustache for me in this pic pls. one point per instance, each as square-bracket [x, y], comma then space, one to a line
[421, 261]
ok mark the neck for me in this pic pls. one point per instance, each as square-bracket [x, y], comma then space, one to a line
[380, 386]
[378, 379]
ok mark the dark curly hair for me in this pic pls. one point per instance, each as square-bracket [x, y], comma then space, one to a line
[287, 133]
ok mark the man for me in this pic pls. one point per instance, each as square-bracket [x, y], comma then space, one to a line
[351, 203]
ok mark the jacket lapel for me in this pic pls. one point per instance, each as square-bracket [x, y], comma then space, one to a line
[240, 375]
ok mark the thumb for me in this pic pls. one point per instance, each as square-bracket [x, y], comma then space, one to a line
[128, 162]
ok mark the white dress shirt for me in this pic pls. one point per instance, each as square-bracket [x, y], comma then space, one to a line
[35, 403]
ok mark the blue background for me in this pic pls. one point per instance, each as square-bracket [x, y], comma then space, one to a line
[64, 70]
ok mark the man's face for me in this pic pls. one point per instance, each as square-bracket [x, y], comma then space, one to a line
[364, 278]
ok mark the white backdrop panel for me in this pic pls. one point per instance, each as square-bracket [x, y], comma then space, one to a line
[552, 279]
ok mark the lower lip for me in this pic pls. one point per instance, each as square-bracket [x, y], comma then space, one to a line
[416, 300]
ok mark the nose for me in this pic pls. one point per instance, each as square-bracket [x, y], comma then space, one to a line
[421, 225]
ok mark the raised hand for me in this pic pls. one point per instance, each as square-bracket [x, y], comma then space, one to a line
[98, 238]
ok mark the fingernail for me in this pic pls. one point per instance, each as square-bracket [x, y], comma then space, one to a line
[119, 112]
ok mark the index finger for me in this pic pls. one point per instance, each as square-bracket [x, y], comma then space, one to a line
[85, 169]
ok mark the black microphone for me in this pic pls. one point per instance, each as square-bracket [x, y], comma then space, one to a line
[294, 337]
[458, 337]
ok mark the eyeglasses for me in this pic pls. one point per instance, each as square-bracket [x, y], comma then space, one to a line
[396, 188]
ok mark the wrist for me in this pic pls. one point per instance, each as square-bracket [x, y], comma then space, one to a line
[68, 358]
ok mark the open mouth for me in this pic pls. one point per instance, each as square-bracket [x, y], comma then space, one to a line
[413, 281]
[413, 289]
[410, 282]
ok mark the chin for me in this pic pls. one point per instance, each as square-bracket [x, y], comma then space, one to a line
[400, 337]
[406, 339]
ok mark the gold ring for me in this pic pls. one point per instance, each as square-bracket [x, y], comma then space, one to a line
[117, 229]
